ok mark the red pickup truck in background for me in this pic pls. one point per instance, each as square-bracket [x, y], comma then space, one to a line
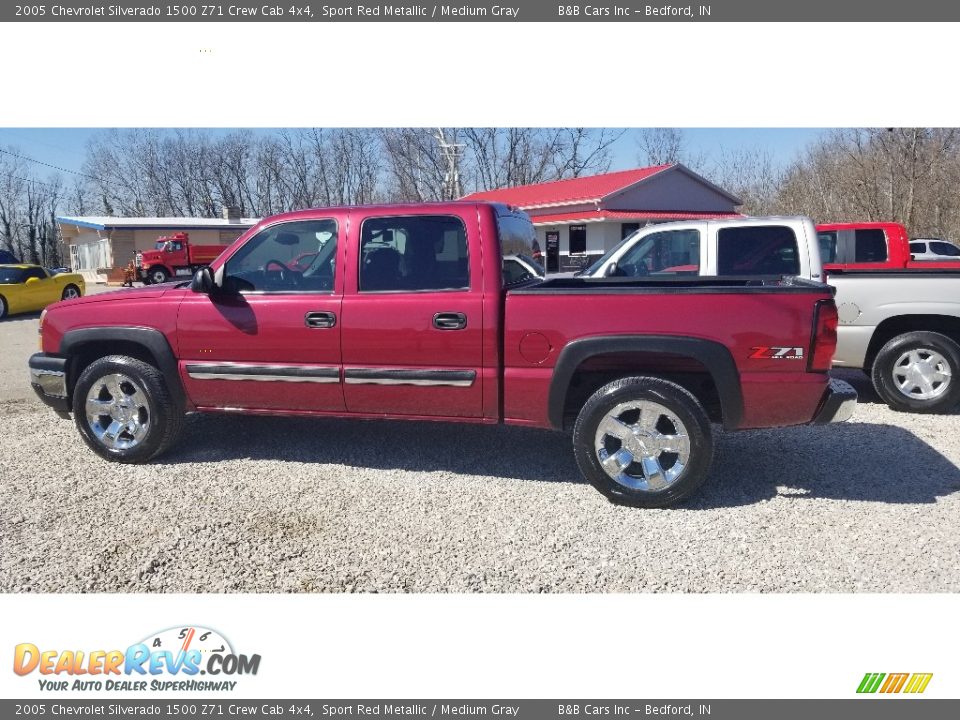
[405, 311]
[174, 256]
[871, 246]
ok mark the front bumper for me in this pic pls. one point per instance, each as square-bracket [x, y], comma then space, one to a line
[838, 404]
[48, 377]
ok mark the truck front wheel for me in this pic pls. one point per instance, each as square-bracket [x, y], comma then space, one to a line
[158, 275]
[643, 441]
[914, 372]
[123, 410]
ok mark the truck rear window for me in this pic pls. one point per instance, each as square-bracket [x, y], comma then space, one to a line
[416, 253]
[757, 250]
[517, 239]
[870, 245]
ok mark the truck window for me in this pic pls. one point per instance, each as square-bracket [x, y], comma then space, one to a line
[828, 246]
[757, 250]
[870, 246]
[918, 247]
[288, 257]
[413, 254]
[671, 252]
[944, 248]
[518, 239]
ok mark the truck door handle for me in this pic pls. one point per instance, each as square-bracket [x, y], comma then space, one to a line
[450, 321]
[320, 319]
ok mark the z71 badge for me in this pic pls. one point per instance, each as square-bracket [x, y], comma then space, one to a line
[776, 353]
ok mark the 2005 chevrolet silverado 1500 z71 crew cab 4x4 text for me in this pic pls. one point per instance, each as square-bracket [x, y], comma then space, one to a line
[402, 311]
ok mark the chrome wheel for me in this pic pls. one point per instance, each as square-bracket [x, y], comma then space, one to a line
[117, 412]
[922, 374]
[70, 293]
[642, 445]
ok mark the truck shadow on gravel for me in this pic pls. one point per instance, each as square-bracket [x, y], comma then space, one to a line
[849, 461]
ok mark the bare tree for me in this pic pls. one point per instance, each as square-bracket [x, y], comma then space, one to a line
[751, 174]
[906, 175]
[581, 151]
[12, 186]
[660, 146]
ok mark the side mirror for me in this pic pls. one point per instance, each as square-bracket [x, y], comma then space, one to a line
[31, 280]
[610, 270]
[203, 281]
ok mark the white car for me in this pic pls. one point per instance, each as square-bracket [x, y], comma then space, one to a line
[933, 249]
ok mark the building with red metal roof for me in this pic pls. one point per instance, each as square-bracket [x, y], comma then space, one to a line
[579, 219]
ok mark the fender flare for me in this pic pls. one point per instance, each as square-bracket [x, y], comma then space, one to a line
[714, 356]
[149, 338]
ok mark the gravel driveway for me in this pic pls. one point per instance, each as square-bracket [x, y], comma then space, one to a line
[274, 504]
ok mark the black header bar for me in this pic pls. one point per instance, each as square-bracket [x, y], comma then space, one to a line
[507, 11]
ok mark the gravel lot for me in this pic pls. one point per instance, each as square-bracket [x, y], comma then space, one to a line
[261, 504]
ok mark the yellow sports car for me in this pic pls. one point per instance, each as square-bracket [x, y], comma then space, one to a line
[28, 288]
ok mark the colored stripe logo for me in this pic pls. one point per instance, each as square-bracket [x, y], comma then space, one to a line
[912, 683]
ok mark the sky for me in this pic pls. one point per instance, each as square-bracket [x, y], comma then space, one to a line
[66, 148]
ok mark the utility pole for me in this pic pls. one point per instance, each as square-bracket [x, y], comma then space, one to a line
[452, 152]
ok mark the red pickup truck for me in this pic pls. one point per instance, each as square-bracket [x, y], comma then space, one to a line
[404, 311]
[871, 246]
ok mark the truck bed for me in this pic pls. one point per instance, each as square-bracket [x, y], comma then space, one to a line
[914, 298]
[542, 321]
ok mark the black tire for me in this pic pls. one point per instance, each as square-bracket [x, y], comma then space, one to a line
[945, 397]
[675, 399]
[158, 275]
[161, 424]
[3, 307]
[67, 290]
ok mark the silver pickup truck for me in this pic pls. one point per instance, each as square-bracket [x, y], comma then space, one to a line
[903, 328]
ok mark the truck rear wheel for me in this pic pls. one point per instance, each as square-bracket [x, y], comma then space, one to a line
[914, 372]
[643, 441]
[123, 410]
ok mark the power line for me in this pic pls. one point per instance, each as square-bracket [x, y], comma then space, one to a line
[55, 167]
[32, 180]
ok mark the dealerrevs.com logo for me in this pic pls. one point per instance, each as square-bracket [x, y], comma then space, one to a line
[172, 659]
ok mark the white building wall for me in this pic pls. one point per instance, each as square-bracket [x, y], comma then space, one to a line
[601, 236]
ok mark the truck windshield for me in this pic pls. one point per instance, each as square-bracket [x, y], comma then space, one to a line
[671, 252]
[592, 269]
[160, 246]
